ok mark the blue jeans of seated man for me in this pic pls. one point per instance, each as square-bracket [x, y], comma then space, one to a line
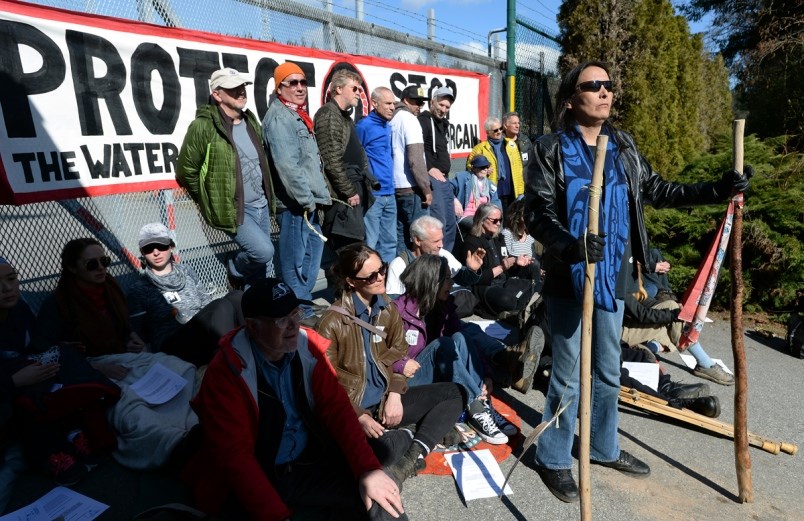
[408, 209]
[380, 221]
[299, 252]
[443, 209]
[254, 261]
[449, 359]
[479, 341]
[555, 444]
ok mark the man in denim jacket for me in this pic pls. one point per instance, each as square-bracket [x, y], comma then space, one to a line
[299, 181]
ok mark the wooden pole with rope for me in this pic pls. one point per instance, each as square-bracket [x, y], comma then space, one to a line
[595, 191]
[742, 458]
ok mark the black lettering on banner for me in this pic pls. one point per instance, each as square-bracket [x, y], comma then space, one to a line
[25, 159]
[45, 168]
[147, 59]
[83, 47]
[238, 62]
[151, 150]
[262, 75]
[134, 150]
[96, 168]
[398, 82]
[198, 65]
[462, 136]
[170, 155]
[119, 162]
[16, 85]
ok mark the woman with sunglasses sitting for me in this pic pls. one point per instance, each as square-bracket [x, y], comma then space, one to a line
[170, 307]
[88, 309]
[473, 188]
[367, 338]
[500, 294]
[438, 351]
[505, 159]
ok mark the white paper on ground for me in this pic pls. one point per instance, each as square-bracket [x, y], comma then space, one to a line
[59, 503]
[477, 473]
[493, 328]
[708, 320]
[158, 385]
[690, 362]
[645, 373]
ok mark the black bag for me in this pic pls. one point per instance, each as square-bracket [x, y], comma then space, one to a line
[795, 335]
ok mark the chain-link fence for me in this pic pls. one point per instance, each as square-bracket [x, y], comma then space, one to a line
[537, 79]
[34, 234]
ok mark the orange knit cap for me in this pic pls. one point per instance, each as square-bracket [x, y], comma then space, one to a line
[285, 70]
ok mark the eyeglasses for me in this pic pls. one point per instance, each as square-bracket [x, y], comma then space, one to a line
[149, 248]
[418, 102]
[371, 279]
[293, 318]
[294, 83]
[593, 86]
[95, 264]
[495, 130]
[357, 88]
[494, 221]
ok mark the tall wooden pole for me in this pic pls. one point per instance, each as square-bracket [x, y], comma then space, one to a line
[595, 189]
[742, 458]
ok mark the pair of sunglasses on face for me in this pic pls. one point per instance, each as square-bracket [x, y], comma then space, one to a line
[96, 264]
[593, 86]
[371, 279]
[149, 248]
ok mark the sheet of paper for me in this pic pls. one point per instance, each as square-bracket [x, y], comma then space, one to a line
[690, 362]
[59, 503]
[493, 328]
[645, 373]
[158, 385]
[477, 473]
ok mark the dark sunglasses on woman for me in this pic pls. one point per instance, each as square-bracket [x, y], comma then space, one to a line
[593, 86]
[371, 279]
[95, 264]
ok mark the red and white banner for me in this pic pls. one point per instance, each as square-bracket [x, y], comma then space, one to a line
[94, 105]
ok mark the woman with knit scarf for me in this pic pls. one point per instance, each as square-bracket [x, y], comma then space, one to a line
[473, 188]
[170, 307]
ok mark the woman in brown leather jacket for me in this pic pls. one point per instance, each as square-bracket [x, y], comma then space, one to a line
[366, 339]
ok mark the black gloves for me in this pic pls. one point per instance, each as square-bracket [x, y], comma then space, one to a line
[733, 181]
[588, 248]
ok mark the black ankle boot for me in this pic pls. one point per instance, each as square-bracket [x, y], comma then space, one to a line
[705, 405]
[678, 390]
[408, 465]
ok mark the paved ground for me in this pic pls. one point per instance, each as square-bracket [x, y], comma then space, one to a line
[693, 476]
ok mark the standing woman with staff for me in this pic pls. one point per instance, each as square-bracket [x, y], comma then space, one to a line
[556, 202]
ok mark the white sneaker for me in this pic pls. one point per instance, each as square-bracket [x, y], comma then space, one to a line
[508, 428]
[484, 426]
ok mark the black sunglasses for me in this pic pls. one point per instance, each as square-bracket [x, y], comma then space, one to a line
[95, 264]
[495, 130]
[493, 221]
[371, 279]
[294, 83]
[149, 248]
[593, 86]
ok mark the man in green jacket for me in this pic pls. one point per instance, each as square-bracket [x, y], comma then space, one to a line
[223, 166]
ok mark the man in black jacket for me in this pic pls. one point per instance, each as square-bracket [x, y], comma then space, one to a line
[435, 129]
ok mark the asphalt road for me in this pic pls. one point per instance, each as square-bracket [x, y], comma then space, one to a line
[693, 472]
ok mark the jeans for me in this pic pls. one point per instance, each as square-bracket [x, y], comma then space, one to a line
[478, 341]
[299, 252]
[12, 463]
[408, 208]
[456, 362]
[256, 253]
[555, 444]
[427, 361]
[379, 221]
[443, 209]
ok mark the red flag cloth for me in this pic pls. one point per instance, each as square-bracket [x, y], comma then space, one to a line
[698, 297]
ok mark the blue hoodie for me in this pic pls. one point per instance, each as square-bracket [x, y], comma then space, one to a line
[375, 136]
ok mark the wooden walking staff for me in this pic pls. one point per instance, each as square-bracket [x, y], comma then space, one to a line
[742, 459]
[595, 190]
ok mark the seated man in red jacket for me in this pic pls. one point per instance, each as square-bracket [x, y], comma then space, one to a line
[279, 435]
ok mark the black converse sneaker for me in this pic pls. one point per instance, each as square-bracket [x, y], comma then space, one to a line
[481, 421]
